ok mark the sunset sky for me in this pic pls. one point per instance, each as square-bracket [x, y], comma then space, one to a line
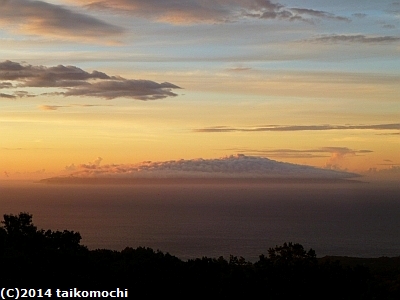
[85, 84]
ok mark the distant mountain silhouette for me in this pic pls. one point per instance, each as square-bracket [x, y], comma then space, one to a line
[232, 167]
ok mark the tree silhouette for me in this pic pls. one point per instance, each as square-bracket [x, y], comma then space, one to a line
[30, 257]
[19, 233]
[291, 254]
[19, 225]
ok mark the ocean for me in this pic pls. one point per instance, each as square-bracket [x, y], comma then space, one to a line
[190, 219]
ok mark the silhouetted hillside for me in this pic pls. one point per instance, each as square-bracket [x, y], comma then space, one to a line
[31, 257]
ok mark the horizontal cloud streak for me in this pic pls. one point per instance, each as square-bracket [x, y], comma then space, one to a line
[42, 18]
[143, 89]
[318, 13]
[5, 85]
[305, 153]
[239, 166]
[51, 107]
[392, 126]
[77, 82]
[8, 96]
[362, 39]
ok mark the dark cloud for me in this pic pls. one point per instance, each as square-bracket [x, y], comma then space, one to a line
[74, 81]
[392, 126]
[10, 66]
[239, 69]
[359, 15]
[5, 85]
[22, 94]
[8, 96]
[40, 76]
[356, 39]
[42, 18]
[239, 166]
[138, 89]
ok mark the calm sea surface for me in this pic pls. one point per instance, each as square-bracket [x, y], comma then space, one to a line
[194, 220]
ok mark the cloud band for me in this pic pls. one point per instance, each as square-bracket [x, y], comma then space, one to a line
[74, 81]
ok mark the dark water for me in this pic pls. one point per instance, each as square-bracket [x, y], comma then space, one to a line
[195, 220]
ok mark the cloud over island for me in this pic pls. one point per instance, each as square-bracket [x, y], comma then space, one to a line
[234, 166]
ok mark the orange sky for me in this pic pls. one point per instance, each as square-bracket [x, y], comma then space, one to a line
[135, 81]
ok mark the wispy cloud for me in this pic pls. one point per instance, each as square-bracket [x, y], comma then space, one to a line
[51, 107]
[359, 15]
[318, 14]
[56, 107]
[13, 149]
[208, 11]
[391, 126]
[239, 166]
[303, 153]
[388, 26]
[239, 69]
[42, 18]
[359, 38]
[74, 81]
[89, 105]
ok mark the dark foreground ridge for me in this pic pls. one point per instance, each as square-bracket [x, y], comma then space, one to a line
[33, 258]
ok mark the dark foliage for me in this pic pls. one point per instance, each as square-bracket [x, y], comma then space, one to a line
[36, 258]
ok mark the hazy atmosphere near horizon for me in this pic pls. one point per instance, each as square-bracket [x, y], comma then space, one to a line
[210, 89]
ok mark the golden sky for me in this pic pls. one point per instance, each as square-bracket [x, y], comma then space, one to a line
[126, 81]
